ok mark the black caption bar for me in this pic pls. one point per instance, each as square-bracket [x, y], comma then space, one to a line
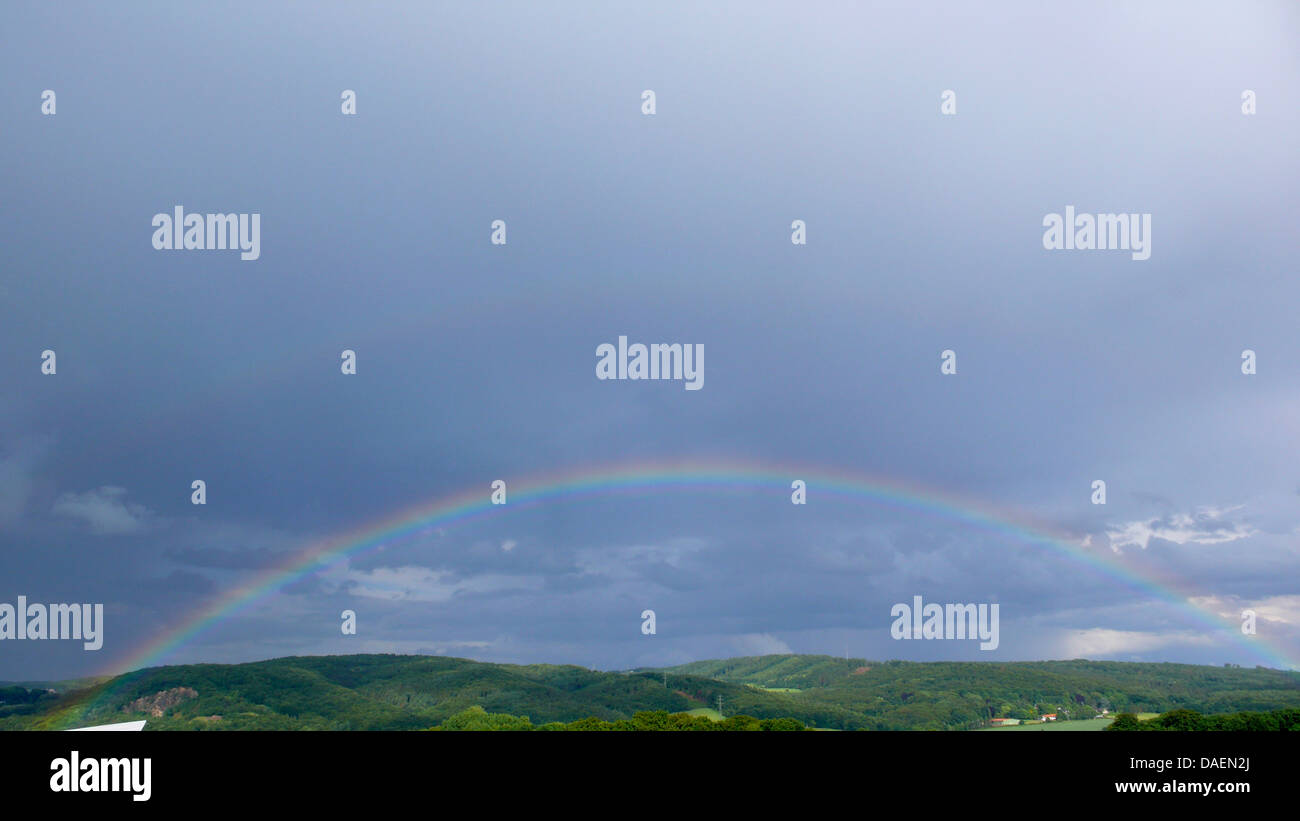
[142, 772]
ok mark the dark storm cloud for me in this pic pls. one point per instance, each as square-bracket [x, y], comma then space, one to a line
[236, 559]
[476, 362]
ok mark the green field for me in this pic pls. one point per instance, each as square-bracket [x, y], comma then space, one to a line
[707, 712]
[1065, 726]
[1054, 726]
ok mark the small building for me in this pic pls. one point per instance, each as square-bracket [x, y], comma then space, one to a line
[1004, 722]
[1048, 717]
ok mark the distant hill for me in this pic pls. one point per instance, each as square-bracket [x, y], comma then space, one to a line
[371, 692]
[949, 695]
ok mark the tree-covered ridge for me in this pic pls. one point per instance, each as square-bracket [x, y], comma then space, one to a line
[476, 718]
[952, 695]
[390, 692]
[381, 692]
[17, 700]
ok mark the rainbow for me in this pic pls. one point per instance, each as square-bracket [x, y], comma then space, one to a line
[583, 483]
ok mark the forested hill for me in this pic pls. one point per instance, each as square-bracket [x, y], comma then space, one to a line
[417, 692]
[934, 695]
[373, 692]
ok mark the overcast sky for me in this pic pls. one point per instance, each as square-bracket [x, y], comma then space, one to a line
[477, 362]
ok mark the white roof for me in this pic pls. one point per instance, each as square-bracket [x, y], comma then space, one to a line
[125, 726]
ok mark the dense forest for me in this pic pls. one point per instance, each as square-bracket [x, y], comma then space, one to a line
[1192, 721]
[17, 700]
[906, 695]
[476, 718]
[377, 692]
[383, 692]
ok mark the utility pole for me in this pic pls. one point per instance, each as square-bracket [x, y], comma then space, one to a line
[719, 703]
